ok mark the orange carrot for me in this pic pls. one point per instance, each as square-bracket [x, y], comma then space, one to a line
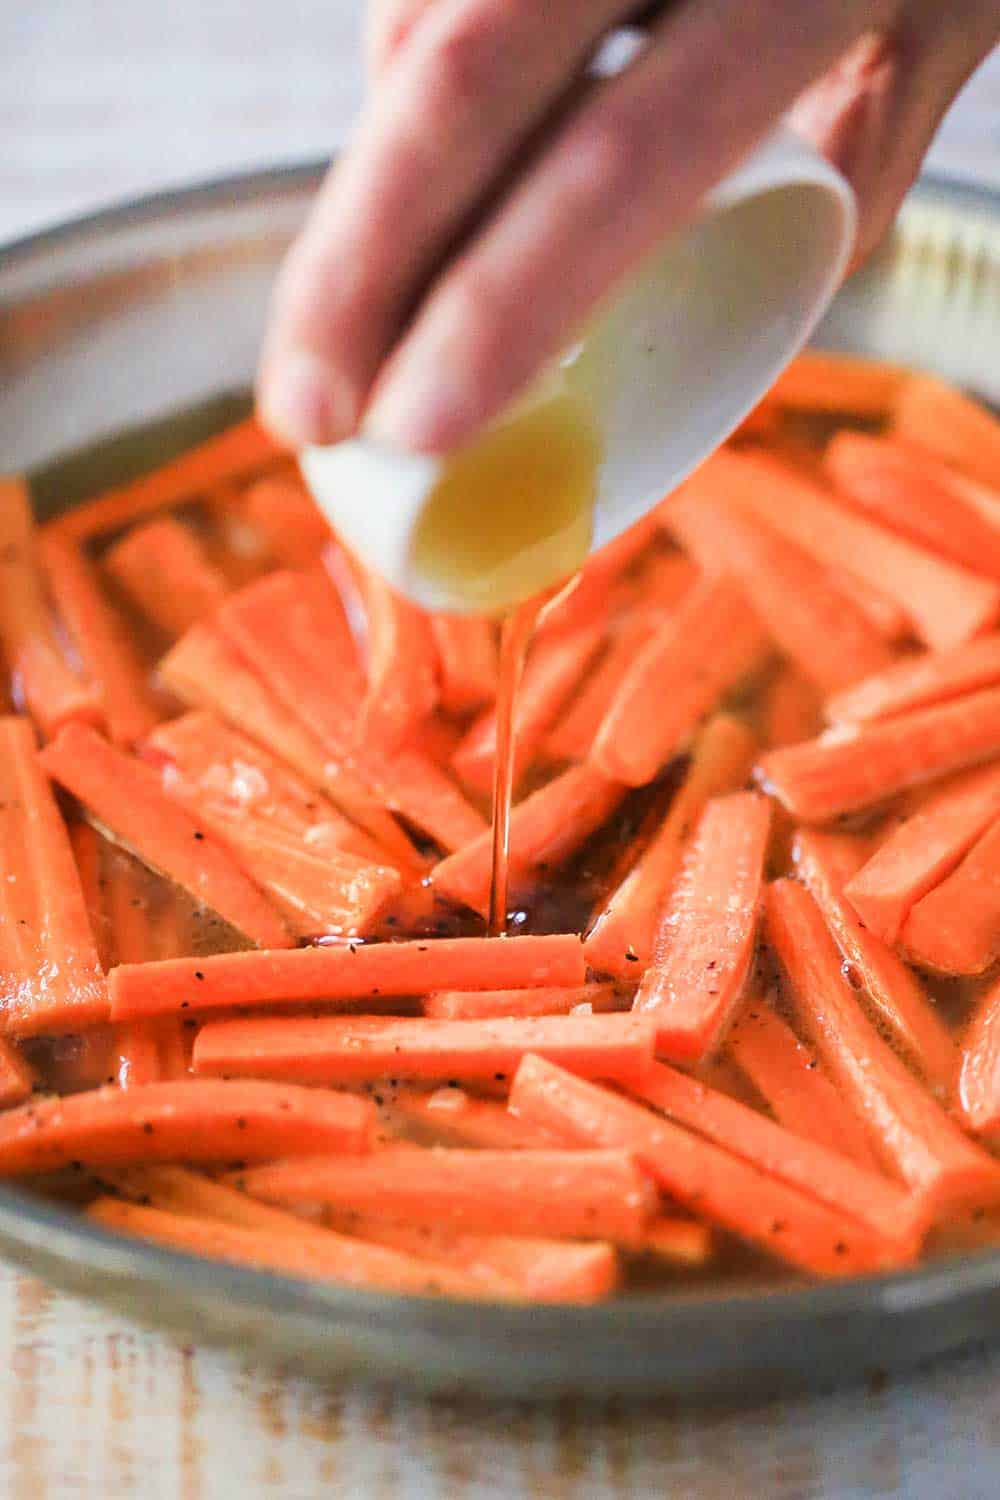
[911, 1133]
[138, 1042]
[955, 928]
[402, 666]
[545, 829]
[573, 734]
[557, 661]
[679, 1242]
[889, 482]
[600, 1194]
[979, 1079]
[830, 383]
[828, 863]
[918, 681]
[335, 1258]
[101, 638]
[52, 693]
[426, 797]
[125, 797]
[166, 574]
[887, 615]
[788, 1077]
[951, 425]
[467, 661]
[284, 514]
[946, 604]
[235, 453]
[345, 971]
[208, 1120]
[87, 854]
[705, 944]
[455, 1117]
[813, 621]
[17, 1077]
[923, 850]
[485, 1005]
[50, 973]
[844, 771]
[791, 710]
[356, 1049]
[713, 642]
[834, 1179]
[623, 934]
[712, 1182]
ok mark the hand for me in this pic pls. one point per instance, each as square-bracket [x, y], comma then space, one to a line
[495, 190]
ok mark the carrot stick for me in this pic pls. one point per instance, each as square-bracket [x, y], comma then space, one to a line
[357, 1049]
[713, 642]
[828, 863]
[207, 1120]
[813, 621]
[337, 1258]
[455, 1117]
[791, 710]
[835, 1180]
[124, 796]
[573, 734]
[50, 973]
[919, 681]
[979, 1079]
[946, 604]
[52, 693]
[788, 1077]
[426, 797]
[890, 483]
[165, 572]
[545, 829]
[713, 1183]
[204, 670]
[951, 425]
[402, 666]
[911, 1133]
[679, 1242]
[486, 1005]
[101, 639]
[600, 1195]
[923, 851]
[828, 383]
[466, 661]
[345, 971]
[705, 944]
[955, 928]
[623, 934]
[233, 454]
[86, 843]
[281, 510]
[887, 615]
[17, 1077]
[557, 661]
[138, 1042]
[843, 772]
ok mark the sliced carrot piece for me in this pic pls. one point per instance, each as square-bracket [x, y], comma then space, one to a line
[557, 661]
[713, 642]
[132, 938]
[955, 928]
[622, 936]
[830, 383]
[356, 1049]
[50, 973]
[52, 693]
[166, 574]
[456, 1117]
[17, 1077]
[846, 770]
[979, 1079]
[923, 851]
[679, 1242]
[828, 863]
[601, 1194]
[813, 621]
[345, 971]
[946, 603]
[909, 1130]
[834, 1179]
[887, 615]
[791, 709]
[467, 661]
[485, 1005]
[102, 640]
[86, 843]
[951, 425]
[402, 666]
[425, 796]
[788, 1077]
[572, 736]
[713, 1183]
[125, 797]
[208, 1120]
[918, 681]
[889, 482]
[284, 514]
[705, 944]
[545, 829]
[233, 454]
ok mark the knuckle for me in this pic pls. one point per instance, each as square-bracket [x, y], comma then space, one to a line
[462, 61]
[618, 152]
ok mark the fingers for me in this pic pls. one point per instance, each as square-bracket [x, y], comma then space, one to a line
[388, 23]
[628, 167]
[473, 79]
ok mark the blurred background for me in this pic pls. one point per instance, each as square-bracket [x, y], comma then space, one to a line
[103, 99]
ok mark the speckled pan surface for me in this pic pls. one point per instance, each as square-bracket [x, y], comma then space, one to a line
[126, 318]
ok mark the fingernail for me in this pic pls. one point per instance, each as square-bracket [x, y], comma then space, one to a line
[298, 400]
